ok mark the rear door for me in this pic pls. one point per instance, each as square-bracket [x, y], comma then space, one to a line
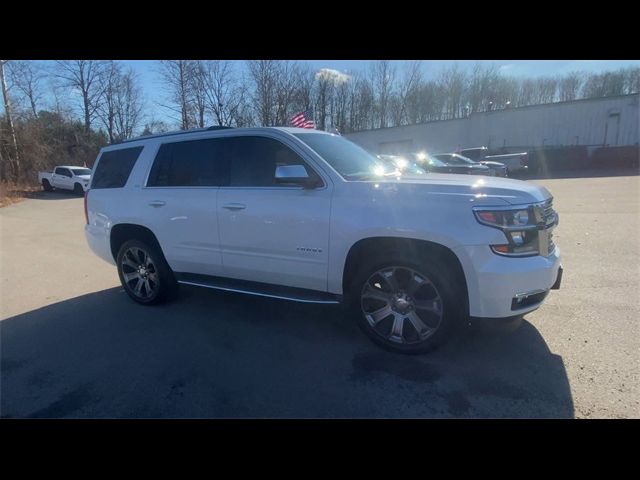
[180, 202]
[269, 232]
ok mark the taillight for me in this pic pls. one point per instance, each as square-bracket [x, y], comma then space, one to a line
[86, 212]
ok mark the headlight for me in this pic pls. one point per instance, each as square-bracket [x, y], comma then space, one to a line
[519, 227]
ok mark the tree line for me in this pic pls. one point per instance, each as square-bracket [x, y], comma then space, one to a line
[65, 111]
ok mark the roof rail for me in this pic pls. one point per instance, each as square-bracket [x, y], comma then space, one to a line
[218, 127]
[170, 134]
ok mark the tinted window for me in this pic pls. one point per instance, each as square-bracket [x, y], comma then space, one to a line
[114, 168]
[81, 171]
[63, 171]
[198, 163]
[254, 161]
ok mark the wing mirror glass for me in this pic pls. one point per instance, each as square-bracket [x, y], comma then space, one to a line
[296, 174]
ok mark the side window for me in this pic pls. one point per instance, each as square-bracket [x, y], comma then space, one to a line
[114, 168]
[195, 163]
[254, 161]
[62, 171]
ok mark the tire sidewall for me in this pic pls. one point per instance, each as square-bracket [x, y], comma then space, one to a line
[165, 276]
[438, 273]
[77, 189]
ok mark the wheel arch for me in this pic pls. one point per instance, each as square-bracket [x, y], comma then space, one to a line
[123, 232]
[371, 246]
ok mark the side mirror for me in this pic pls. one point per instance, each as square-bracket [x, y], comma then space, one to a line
[293, 174]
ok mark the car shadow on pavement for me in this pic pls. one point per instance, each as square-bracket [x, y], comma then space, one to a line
[54, 195]
[213, 354]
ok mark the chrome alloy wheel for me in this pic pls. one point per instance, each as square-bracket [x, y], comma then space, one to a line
[139, 273]
[401, 305]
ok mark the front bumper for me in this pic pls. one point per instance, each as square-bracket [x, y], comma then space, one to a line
[494, 282]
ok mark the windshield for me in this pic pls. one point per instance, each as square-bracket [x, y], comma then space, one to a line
[348, 159]
[425, 160]
[457, 160]
[81, 171]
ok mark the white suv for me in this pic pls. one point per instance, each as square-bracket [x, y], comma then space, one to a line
[309, 216]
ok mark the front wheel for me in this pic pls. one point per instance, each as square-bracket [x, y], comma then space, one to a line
[144, 273]
[406, 306]
[77, 189]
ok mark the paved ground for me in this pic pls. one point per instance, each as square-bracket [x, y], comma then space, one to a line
[73, 344]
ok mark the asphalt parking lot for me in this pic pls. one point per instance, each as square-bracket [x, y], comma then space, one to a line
[73, 345]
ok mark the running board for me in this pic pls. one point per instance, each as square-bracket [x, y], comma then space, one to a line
[256, 288]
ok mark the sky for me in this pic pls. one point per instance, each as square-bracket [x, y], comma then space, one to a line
[154, 91]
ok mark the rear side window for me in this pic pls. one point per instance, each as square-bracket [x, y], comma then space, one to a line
[196, 163]
[115, 167]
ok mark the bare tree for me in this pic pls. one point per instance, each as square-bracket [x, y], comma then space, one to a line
[15, 163]
[177, 75]
[631, 80]
[569, 86]
[382, 77]
[198, 92]
[128, 101]
[286, 88]
[407, 93]
[106, 109]
[85, 77]
[325, 86]
[27, 77]
[263, 75]
[453, 82]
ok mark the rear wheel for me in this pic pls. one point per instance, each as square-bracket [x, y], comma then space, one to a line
[46, 185]
[144, 273]
[405, 305]
[77, 189]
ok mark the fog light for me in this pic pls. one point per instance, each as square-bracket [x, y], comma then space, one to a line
[517, 238]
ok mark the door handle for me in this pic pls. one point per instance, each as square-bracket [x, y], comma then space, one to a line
[234, 206]
[157, 203]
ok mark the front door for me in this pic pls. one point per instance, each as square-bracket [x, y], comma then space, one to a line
[269, 232]
[62, 178]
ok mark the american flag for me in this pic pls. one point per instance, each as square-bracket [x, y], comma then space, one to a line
[303, 120]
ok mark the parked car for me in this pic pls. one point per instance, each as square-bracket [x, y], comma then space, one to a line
[75, 179]
[433, 164]
[498, 169]
[402, 165]
[421, 163]
[304, 215]
[515, 162]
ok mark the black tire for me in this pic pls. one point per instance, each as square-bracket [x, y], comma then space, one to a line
[448, 289]
[163, 283]
[77, 189]
[47, 186]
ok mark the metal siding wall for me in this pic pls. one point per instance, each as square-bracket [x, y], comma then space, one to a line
[555, 124]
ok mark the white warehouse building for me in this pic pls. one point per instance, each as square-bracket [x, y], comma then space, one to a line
[598, 122]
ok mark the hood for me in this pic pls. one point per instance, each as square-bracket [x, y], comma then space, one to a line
[515, 192]
[84, 177]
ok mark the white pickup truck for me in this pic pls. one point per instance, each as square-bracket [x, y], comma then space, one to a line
[75, 179]
[308, 216]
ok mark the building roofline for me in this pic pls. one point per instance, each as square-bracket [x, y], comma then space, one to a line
[636, 94]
